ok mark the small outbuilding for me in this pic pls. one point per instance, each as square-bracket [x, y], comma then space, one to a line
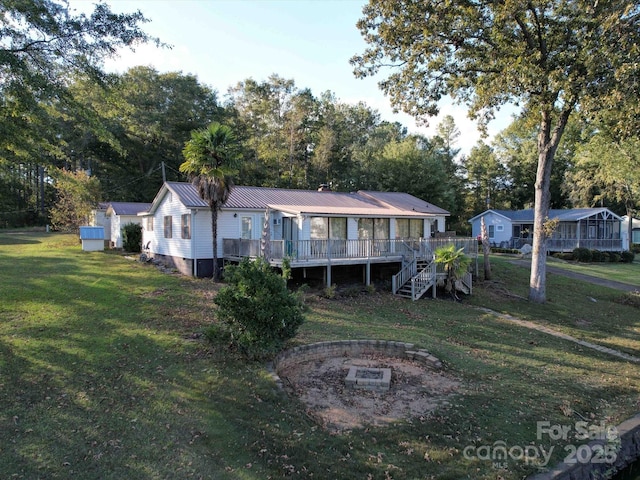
[92, 238]
[121, 214]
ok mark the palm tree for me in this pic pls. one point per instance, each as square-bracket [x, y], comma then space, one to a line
[455, 264]
[210, 157]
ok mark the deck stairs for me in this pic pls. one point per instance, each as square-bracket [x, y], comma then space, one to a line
[415, 278]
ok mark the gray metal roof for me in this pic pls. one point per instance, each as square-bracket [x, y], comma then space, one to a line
[128, 208]
[563, 215]
[259, 198]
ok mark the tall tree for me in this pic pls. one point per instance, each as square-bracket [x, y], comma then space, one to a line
[608, 170]
[485, 180]
[550, 57]
[210, 160]
[414, 166]
[77, 193]
[42, 42]
[143, 118]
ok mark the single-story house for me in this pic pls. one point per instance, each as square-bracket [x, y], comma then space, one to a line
[310, 228]
[121, 214]
[593, 228]
[635, 230]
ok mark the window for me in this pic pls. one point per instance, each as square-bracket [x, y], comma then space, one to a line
[167, 226]
[373, 228]
[323, 228]
[492, 231]
[499, 228]
[149, 224]
[245, 228]
[409, 228]
[186, 225]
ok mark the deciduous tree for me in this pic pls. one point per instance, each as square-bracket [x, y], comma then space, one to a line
[550, 57]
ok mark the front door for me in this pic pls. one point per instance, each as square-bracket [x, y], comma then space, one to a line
[290, 235]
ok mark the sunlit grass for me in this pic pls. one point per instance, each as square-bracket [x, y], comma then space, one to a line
[104, 374]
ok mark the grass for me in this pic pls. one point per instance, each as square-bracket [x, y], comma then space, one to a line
[620, 272]
[104, 375]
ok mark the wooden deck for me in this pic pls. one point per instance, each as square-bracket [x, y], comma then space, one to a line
[307, 253]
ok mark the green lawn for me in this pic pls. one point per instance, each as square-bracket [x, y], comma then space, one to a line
[104, 375]
[621, 272]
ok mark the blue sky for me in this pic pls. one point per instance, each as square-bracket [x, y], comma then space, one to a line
[223, 42]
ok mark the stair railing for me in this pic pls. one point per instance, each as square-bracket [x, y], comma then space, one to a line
[423, 280]
[403, 276]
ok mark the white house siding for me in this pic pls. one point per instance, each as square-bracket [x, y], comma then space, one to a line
[117, 224]
[175, 246]
[502, 227]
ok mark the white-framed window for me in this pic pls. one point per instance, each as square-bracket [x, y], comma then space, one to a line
[499, 228]
[149, 224]
[168, 221]
[409, 227]
[492, 231]
[246, 224]
[185, 225]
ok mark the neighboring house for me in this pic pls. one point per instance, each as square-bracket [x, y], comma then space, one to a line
[120, 214]
[593, 228]
[99, 218]
[635, 231]
[310, 228]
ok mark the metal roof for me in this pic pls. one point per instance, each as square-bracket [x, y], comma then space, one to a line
[128, 208]
[404, 201]
[563, 215]
[308, 201]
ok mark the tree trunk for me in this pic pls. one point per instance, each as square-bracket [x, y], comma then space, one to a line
[547, 145]
[486, 249]
[214, 235]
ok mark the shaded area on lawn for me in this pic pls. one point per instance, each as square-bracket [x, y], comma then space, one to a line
[104, 374]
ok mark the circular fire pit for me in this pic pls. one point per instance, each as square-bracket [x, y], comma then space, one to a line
[353, 384]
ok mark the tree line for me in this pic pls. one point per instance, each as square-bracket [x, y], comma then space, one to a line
[61, 114]
[129, 130]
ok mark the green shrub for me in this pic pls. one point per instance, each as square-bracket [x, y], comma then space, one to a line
[257, 312]
[596, 256]
[330, 292]
[627, 256]
[132, 237]
[614, 257]
[563, 256]
[582, 254]
[606, 256]
[635, 248]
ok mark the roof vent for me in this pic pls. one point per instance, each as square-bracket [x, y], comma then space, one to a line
[324, 187]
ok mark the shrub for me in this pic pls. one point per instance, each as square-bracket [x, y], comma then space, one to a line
[635, 248]
[257, 312]
[627, 256]
[596, 256]
[614, 257]
[563, 256]
[330, 292]
[132, 237]
[582, 254]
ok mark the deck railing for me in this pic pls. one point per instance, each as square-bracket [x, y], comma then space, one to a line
[568, 244]
[305, 250]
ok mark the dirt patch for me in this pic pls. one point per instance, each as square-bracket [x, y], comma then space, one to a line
[414, 392]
